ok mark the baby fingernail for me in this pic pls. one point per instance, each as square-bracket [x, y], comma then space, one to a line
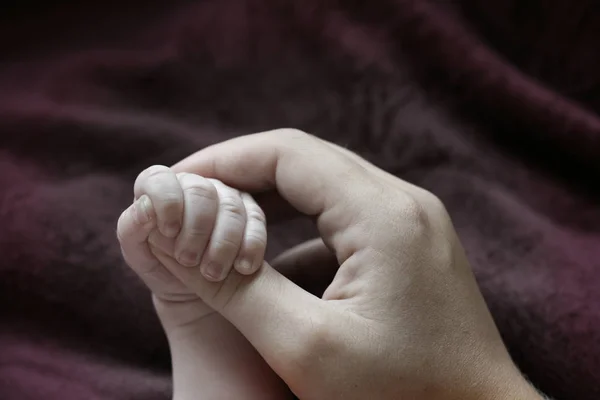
[244, 265]
[189, 258]
[142, 210]
[172, 229]
[213, 271]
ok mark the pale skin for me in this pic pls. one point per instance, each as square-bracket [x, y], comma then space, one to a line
[402, 318]
[198, 223]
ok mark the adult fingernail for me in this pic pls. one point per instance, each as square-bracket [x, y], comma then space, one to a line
[213, 271]
[172, 229]
[189, 258]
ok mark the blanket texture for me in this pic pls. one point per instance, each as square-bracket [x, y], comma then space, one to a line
[493, 106]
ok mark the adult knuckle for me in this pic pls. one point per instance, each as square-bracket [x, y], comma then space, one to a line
[433, 202]
[371, 188]
[349, 171]
[413, 209]
[444, 254]
[436, 211]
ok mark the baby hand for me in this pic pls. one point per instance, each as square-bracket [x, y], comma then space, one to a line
[182, 222]
[199, 222]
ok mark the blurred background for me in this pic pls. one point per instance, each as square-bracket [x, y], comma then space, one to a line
[492, 105]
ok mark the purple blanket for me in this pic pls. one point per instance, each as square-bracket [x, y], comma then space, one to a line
[493, 106]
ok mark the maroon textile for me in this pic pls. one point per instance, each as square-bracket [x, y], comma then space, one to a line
[493, 106]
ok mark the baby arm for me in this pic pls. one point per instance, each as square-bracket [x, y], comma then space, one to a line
[187, 221]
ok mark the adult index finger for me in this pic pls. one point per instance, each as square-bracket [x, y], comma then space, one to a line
[306, 172]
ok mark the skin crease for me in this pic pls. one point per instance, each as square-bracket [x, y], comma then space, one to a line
[403, 317]
[214, 223]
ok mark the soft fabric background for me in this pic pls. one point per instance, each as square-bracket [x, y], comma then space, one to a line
[493, 106]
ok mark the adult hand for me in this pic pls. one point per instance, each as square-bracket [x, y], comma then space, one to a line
[402, 319]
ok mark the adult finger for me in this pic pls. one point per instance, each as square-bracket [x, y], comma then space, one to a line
[317, 180]
[376, 171]
[161, 185]
[310, 175]
[313, 177]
